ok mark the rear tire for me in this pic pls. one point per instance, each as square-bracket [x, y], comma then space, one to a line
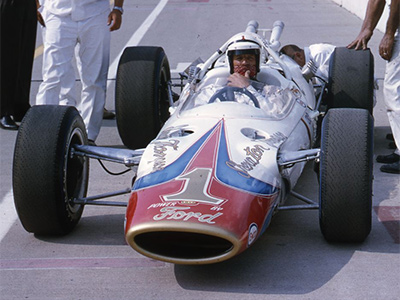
[141, 98]
[346, 175]
[351, 79]
[45, 176]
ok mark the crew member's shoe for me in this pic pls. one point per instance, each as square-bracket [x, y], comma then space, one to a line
[7, 122]
[388, 159]
[393, 168]
[108, 115]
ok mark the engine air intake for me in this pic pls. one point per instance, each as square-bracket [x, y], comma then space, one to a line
[183, 245]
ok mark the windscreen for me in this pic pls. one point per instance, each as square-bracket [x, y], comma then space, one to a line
[274, 101]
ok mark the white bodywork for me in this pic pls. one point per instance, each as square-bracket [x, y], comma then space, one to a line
[256, 137]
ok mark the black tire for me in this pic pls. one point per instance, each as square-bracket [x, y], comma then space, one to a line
[346, 175]
[141, 96]
[351, 79]
[45, 176]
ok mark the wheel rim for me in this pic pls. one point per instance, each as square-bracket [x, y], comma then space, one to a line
[75, 172]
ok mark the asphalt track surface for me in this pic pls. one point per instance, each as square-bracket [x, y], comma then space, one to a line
[290, 261]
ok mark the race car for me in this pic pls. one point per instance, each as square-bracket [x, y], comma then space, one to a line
[213, 164]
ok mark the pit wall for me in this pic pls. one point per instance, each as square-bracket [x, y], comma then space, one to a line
[359, 7]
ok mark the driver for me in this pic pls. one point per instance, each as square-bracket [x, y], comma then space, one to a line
[244, 62]
[244, 58]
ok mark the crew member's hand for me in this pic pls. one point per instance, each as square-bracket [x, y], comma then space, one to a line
[39, 15]
[386, 47]
[114, 19]
[40, 19]
[238, 80]
[361, 41]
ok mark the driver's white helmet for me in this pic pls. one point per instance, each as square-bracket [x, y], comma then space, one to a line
[243, 44]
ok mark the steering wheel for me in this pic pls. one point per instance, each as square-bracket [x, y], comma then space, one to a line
[227, 94]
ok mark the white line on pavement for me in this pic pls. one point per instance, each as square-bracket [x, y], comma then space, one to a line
[137, 36]
[8, 214]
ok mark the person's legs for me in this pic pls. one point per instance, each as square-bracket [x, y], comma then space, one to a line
[68, 91]
[9, 55]
[27, 49]
[391, 92]
[92, 62]
[59, 39]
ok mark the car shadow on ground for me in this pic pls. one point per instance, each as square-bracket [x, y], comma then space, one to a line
[106, 229]
[291, 257]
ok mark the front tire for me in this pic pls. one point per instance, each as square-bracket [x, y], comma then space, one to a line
[351, 79]
[141, 97]
[346, 175]
[45, 176]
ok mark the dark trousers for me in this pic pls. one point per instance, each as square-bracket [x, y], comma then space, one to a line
[18, 37]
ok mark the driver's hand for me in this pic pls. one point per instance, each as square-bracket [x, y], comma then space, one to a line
[237, 80]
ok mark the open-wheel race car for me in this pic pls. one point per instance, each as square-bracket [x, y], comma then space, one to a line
[211, 168]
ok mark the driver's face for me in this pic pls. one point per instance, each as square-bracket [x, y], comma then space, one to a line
[244, 62]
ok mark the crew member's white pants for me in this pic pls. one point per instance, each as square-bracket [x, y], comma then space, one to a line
[391, 92]
[90, 41]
